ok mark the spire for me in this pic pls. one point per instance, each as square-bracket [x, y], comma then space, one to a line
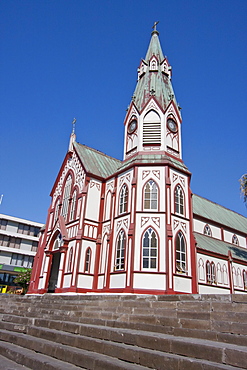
[154, 76]
[72, 136]
[154, 46]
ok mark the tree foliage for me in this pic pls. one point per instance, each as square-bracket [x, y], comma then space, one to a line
[243, 187]
[23, 279]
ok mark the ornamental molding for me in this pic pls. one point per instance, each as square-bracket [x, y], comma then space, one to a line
[174, 177]
[182, 180]
[152, 105]
[109, 185]
[93, 183]
[156, 221]
[123, 178]
[123, 223]
[156, 174]
[182, 225]
[72, 164]
[106, 229]
[144, 220]
[145, 174]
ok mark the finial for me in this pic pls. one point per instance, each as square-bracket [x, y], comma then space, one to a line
[73, 125]
[154, 28]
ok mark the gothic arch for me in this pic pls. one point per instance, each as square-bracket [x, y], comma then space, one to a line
[123, 199]
[150, 195]
[150, 242]
[152, 128]
[120, 251]
[179, 200]
[180, 247]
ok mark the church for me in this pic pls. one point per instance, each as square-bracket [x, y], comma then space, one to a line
[134, 226]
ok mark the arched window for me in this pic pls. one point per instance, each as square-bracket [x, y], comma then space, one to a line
[224, 274]
[151, 195]
[123, 203]
[235, 240]
[208, 272]
[150, 250]
[73, 206]
[87, 260]
[66, 196]
[213, 273]
[179, 200]
[56, 211]
[180, 253]
[245, 279]
[120, 251]
[70, 258]
[207, 231]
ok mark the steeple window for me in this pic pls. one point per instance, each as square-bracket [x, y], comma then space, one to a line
[150, 250]
[120, 251]
[151, 129]
[151, 195]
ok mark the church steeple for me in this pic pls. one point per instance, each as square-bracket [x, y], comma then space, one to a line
[153, 119]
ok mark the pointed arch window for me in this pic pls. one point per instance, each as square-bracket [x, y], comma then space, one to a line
[73, 206]
[88, 255]
[66, 197]
[207, 230]
[181, 266]
[70, 258]
[235, 240]
[120, 251]
[123, 203]
[179, 200]
[56, 211]
[151, 195]
[150, 250]
[210, 272]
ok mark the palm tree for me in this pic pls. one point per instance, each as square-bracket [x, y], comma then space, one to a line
[243, 188]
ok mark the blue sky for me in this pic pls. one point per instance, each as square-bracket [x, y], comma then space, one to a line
[75, 58]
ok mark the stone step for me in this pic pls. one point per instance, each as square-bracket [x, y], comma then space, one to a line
[23, 358]
[42, 354]
[6, 364]
[131, 343]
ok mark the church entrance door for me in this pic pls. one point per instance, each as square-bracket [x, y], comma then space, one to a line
[54, 272]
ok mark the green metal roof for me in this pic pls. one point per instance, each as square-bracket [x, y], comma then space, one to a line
[155, 81]
[217, 246]
[214, 212]
[96, 162]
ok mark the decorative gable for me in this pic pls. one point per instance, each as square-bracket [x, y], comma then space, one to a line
[153, 64]
[142, 69]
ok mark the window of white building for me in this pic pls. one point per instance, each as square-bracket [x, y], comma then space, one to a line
[150, 250]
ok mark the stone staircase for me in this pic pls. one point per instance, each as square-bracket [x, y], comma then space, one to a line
[178, 332]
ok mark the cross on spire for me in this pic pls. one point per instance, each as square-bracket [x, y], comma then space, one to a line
[73, 125]
[154, 26]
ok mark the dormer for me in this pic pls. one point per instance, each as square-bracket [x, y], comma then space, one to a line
[166, 68]
[142, 69]
[153, 64]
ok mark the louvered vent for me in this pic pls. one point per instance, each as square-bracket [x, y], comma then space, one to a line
[151, 129]
[152, 133]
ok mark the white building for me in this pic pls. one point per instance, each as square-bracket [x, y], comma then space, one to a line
[134, 226]
[18, 246]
